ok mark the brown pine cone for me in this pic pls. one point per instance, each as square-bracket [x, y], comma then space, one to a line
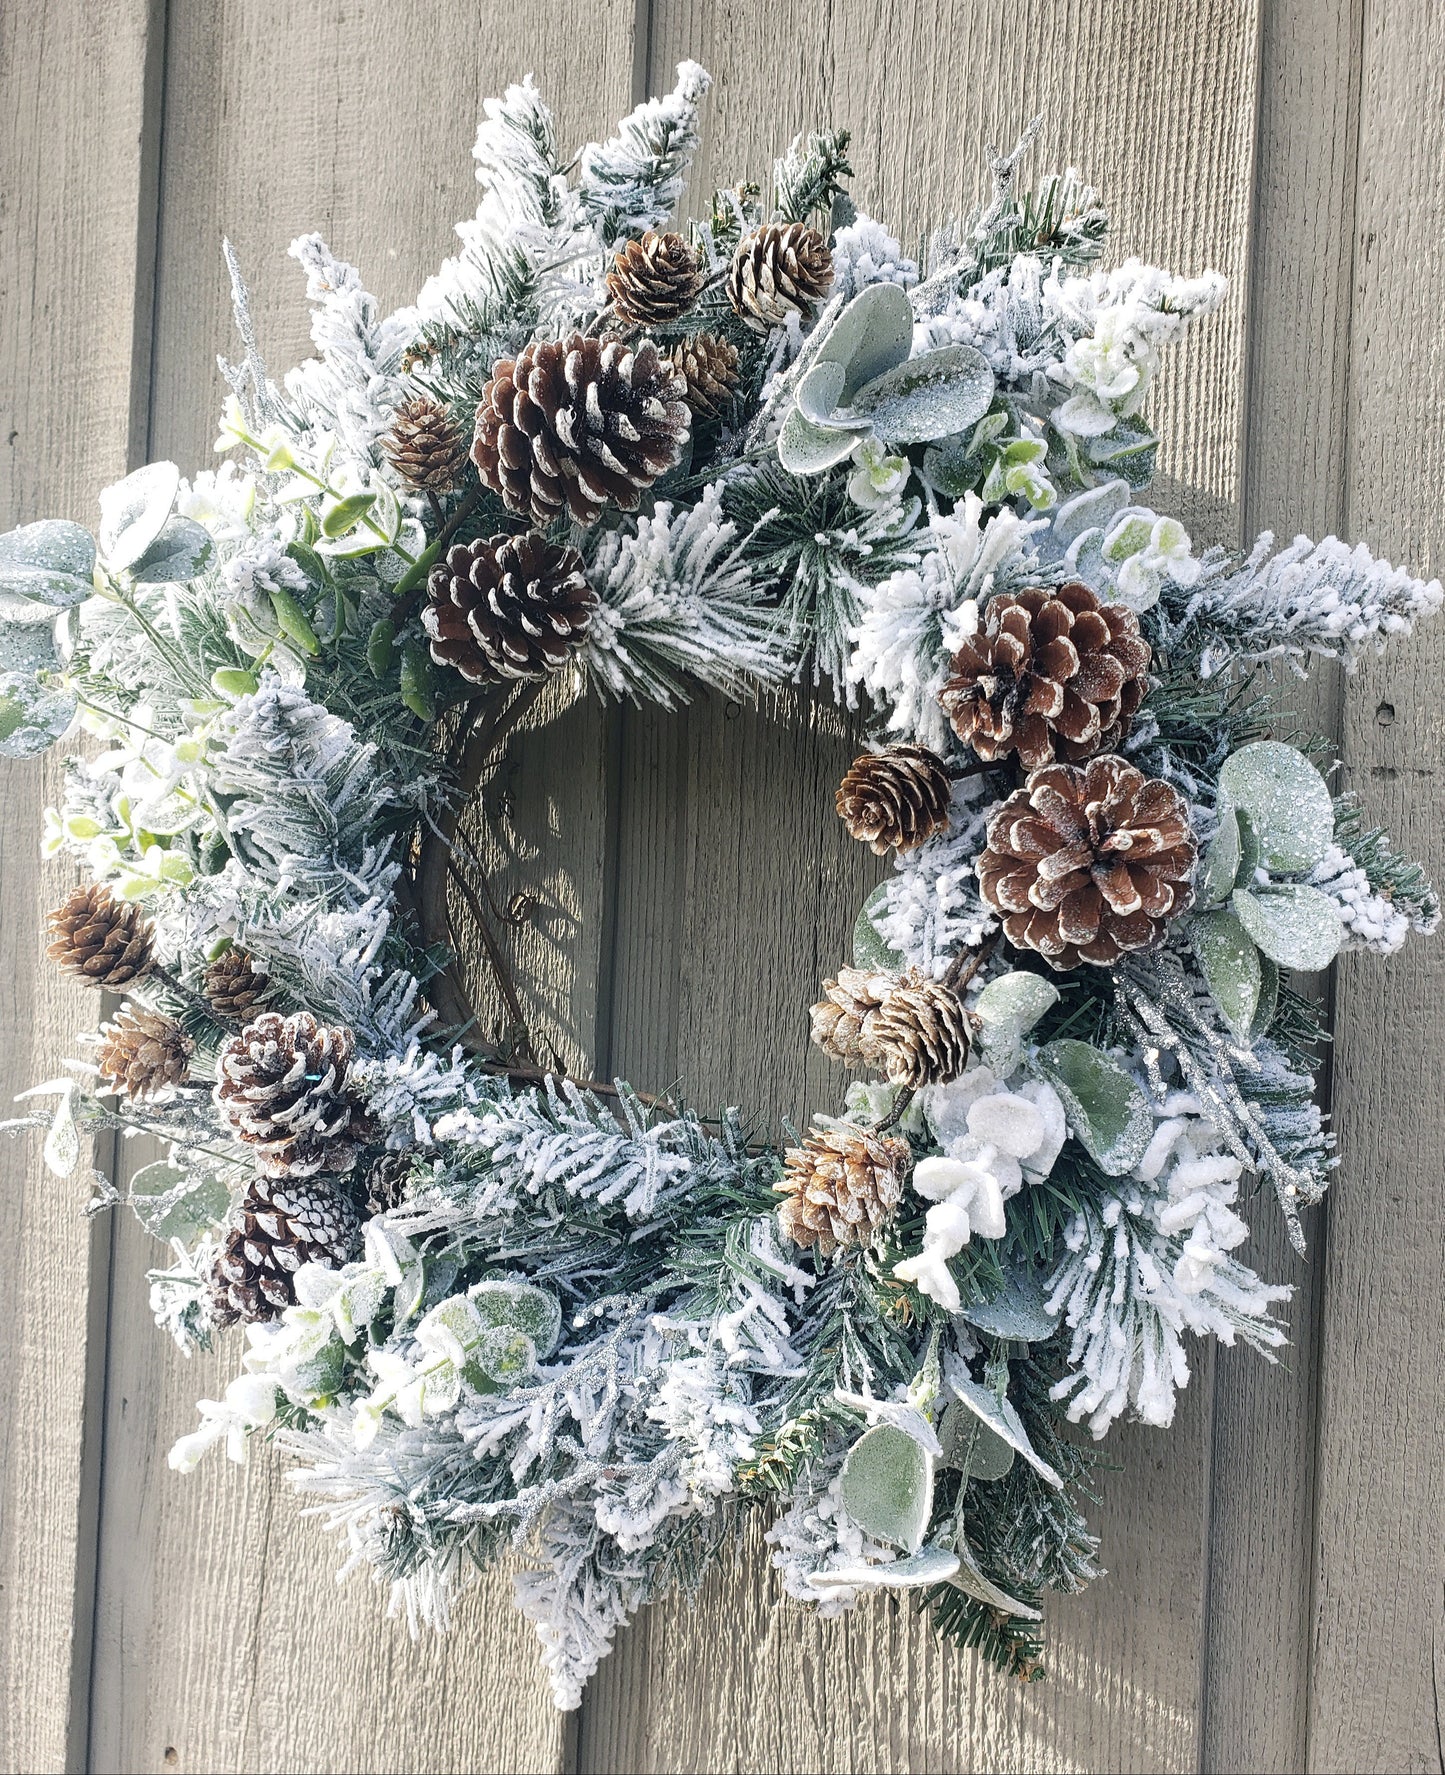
[386, 1182]
[777, 271]
[920, 1034]
[710, 366]
[578, 424]
[143, 1052]
[102, 941]
[895, 799]
[654, 280]
[426, 446]
[842, 1185]
[1088, 863]
[234, 988]
[282, 1085]
[278, 1227]
[507, 607]
[1050, 674]
[842, 1018]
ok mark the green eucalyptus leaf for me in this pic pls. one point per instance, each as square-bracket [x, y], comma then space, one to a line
[48, 565]
[177, 555]
[1248, 849]
[1268, 997]
[1093, 509]
[33, 716]
[887, 1486]
[929, 397]
[808, 449]
[1007, 1009]
[999, 1416]
[951, 467]
[1297, 926]
[519, 1306]
[1230, 964]
[1128, 450]
[872, 335]
[1220, 867]
[869, 949]
[970, 1445]
[1286, 798]
[1018, 1310]
[134, 511]
[174, 1204]
[1108, 1113]
[818, 391]
[505, 1354]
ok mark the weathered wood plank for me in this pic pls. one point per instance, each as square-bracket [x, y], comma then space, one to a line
[77, 176]
[1378, 1588]
[221, 1634]
[771, 885]
[1255, 1698]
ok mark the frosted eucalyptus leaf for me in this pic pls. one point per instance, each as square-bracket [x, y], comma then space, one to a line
[177, 555]
[1107, 1112]
[928, 397]
[1248, 849]
[29, 647]
[61, 1150]
[175, 1204]
[1127, 450]
[1007, 1009]
[1090, 510]
[819, 390]
[808, 449]
[134, 511]
[1000, 1417]
[33, 716]
[1230, 964]
[49, 564]
[970, 1579]
[971, 1446]
[950, 467]
[1296, 926]
[1018, 1310]
[1268, 997]
[518, 1306]
[1220, 867]
[869, 949]
[931, 1565]
[1287, 799]
[887, 1486]
[505, 1354]
[872, 335]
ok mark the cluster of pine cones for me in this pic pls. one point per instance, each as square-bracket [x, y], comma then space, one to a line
[572, 427]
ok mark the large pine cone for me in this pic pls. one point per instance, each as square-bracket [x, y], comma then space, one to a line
[842, 1018]
[578, 424]
[1086, 864]
[234, 987]
[654, 280]
[282, 1085]
[710, 366]
[278, 1227]
[507, 607]
[842, 1185]
[143, 1052]
[426, 446]
[913, 1030]
[1051, 674]
[895, 799]
[102, 941]
[777, 271]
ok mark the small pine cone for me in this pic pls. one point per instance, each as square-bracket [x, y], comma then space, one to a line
[143, 1052]
[710, 366]
[426, 446]
[778, 271]
[102, 941]
[1051, 674]
[842, 1185]
[573, 425]
[282, 1085]
[507, 607]
[654, 280]
[895, 799]
[386, 1182]
[1086, 864]
[842, 1018]
[920, 1034]
[233, 986]
[278, 1227]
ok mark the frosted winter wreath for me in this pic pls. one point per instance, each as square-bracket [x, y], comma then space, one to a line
[488, 1308]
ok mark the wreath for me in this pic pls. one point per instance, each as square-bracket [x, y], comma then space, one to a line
[490, 1306]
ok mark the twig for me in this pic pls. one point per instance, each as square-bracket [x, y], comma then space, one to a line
[500, 971]
[967, 963]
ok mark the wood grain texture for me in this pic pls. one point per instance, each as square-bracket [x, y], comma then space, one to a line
[770, 883]
[76, 199]
[222, 1640]
[1379, 1583]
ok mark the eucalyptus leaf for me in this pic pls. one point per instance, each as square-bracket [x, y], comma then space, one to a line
[970, 1579]
[872, 335]
[929, 1566]
[518, 1306]
[1018, 1310]
[1286, 798]
[1268, 997]
[950, 467]
[1107, 1112]
[1295, 925]
[1007, 1009]
[808, 449]
[173, 1204]
[505, 1354]
[932, 396]
[999, 1416]
[48, 564]
[134, 511]
[1230, 964]
[61, 1150]
[887, 1486]
[971, 1446]
[1220, 867]
[869, 949]
[1090, 510]
[1127, 450]
[818, 392]
[177, 555]
[1248, 849]
[33, 716]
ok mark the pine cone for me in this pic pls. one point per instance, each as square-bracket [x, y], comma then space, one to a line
[507, 607]
[895, 799]
[842, 1018]
[710, 366]
[577, 424]
[143, 1052]
[278, 1227]
[386, 1182]
[233, 986]
[426, 446]
[842, 1185]
[281, 1084]
[100, 940]
[920, 1034]
[1050, 674]
[1087, 864]
[654, 280]
[778, 271]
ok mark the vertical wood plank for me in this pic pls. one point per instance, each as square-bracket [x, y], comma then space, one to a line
[76, 200]
[771, 884]
[1379, 1586]
[222, 1640]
